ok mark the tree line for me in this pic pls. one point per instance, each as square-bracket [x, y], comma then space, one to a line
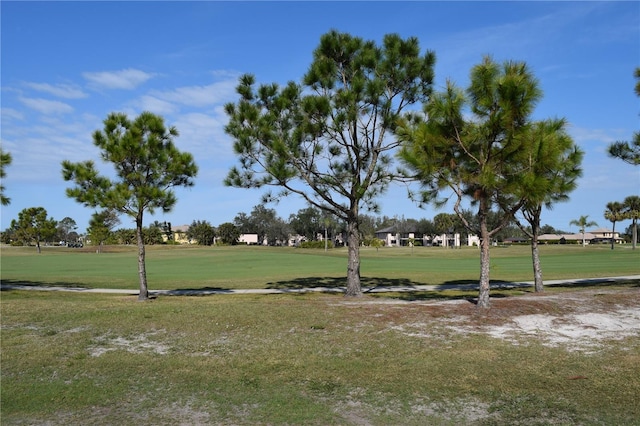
[351, 127]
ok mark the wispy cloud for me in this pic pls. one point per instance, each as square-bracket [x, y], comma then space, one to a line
[199, 96]
[126, 79]
[203, 134]
[602, 137]
[521, 39]
[46, 106]
[11, 114]
[65, 91]
[155, 105]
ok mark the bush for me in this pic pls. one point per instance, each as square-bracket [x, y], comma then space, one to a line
[315, 244]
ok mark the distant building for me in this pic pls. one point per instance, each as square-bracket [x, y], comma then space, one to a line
[393, 237]
[604, 235]
[180, 235]
[596, 236]
[249, 239]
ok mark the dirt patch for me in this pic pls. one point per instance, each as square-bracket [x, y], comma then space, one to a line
[136, 344]
[578, 321]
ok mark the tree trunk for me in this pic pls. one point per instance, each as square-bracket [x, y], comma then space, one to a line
[354, 288]
[142, 272]
[613, 235]
[537, 268]
[485, 243]
[634, 234]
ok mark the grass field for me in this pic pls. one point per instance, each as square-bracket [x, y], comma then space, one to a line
[316, 359]
[180, 267]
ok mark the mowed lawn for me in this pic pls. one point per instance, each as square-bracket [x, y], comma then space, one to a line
[428, 358]
[241, 267]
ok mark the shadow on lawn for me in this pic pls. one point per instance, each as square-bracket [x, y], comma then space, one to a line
[6, 285]
[200, 291]
[597, 282]
[339, 282]
[394, 288]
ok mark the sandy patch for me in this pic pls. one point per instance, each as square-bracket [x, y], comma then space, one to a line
[576, 332]
[581, 321]
[136, 344]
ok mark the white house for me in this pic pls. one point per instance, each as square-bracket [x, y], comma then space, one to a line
[392, 237]
[248, 239]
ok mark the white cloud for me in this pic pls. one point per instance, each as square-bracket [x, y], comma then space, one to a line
[124, 79]
[66, 91]
[602, 137]
[203, 135]
[199, 96]
[11, 114]
[46, 106]
[155, 105]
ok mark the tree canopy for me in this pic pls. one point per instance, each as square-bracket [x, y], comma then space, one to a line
[628, 151]
[554, 167]
[631, 206]
[5, 160]
[471, 143]
[614, 213]
[147, 165]
[583, 223]
[33, 226]
[202, 232]
[101, 225]
[327, 139]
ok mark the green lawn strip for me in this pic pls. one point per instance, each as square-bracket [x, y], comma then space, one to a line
[284, 359]
[241, 267]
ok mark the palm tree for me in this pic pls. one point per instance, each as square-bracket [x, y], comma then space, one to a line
[583, 223]
[614, 213]
[631, 206]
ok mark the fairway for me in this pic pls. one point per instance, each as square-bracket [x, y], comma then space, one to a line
[244, 267]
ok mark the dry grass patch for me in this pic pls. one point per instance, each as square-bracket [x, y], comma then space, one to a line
[321, 359]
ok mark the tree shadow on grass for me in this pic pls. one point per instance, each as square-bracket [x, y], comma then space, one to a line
[200, 291]
[466, 290]
[597, 282]
[6, 285]
[367, 283]
[390, 288]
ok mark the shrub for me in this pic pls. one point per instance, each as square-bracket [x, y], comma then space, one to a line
[315, 244]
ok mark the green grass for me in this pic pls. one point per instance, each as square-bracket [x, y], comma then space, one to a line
[180, 267]
[312, 359]
[75, 359]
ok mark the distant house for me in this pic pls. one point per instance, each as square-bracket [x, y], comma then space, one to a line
[596, 236]
[565, 238]
[393, 237]
[604, 235]
[249, 239]
[180, 235]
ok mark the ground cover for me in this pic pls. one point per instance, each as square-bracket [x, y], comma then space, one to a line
[182, 267]
[570, 356]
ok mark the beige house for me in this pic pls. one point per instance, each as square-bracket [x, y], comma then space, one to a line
[180, 235]
[602, 235]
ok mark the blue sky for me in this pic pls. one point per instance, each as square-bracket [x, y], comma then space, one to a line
[66, 65]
